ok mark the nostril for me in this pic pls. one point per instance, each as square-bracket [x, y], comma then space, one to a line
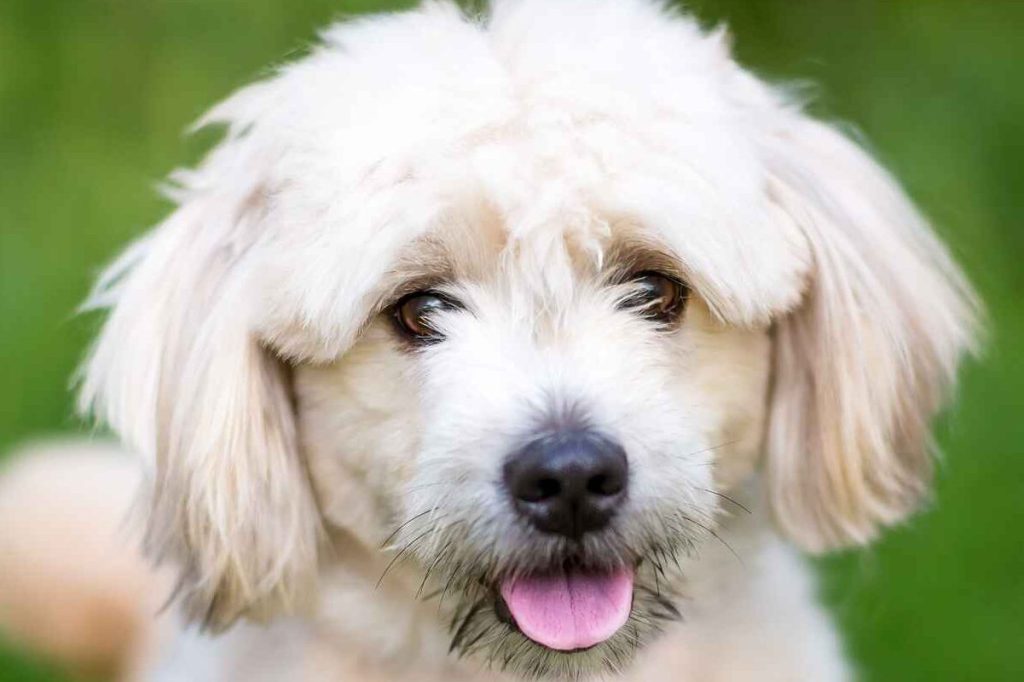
[547, 488]
[604, 485]
[538, 490]
[528, 486]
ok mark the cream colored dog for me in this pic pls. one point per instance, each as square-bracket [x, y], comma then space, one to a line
[521, 346]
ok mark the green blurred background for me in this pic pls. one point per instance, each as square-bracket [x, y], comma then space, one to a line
[95, 95]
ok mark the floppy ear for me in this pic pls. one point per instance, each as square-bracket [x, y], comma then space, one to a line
[179, 373]
[864, 363]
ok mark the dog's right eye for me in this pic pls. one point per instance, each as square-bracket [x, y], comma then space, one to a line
[413, 315]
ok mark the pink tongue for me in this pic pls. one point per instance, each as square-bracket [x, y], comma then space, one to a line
[571, 610]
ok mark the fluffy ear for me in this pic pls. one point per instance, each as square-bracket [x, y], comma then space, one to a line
[179, 373]
[865, 362]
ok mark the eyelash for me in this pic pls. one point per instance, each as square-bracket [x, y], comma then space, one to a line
[411, 313]
[662, 285]
[417, 329]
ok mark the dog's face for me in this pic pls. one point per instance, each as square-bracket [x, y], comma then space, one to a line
[517, 314]
[504, 430]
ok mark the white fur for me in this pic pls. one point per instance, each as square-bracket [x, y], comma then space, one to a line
[519, 161]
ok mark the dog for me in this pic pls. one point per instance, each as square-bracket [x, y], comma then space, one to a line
[534, 344]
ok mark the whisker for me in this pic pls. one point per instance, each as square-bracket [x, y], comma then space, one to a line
[400, 553]
[468, 646]
[716, 536]
[727, 499]
[403, 525]
[708, 450]
[451, 579]
[670, 610]
[463, 627]
[424, 486]
[433, 565]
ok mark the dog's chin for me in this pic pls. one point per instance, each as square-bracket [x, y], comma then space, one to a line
[564, 620]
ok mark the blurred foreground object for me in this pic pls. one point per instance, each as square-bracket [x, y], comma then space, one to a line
[73, 585]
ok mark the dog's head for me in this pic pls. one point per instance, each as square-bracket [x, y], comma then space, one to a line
[520, 301]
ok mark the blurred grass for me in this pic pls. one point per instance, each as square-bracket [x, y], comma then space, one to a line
[95, 94]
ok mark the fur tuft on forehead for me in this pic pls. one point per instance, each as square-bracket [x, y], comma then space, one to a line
[394, 127]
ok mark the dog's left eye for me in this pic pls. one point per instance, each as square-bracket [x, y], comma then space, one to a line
[655, 296]
[413, 315]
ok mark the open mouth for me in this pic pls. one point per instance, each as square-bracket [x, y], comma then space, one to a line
[583, 614]
[568, 609]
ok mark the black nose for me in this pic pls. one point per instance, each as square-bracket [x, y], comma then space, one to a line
[568, 483]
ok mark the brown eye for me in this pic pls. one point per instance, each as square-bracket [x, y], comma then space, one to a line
[414, 312]
[656, 296]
